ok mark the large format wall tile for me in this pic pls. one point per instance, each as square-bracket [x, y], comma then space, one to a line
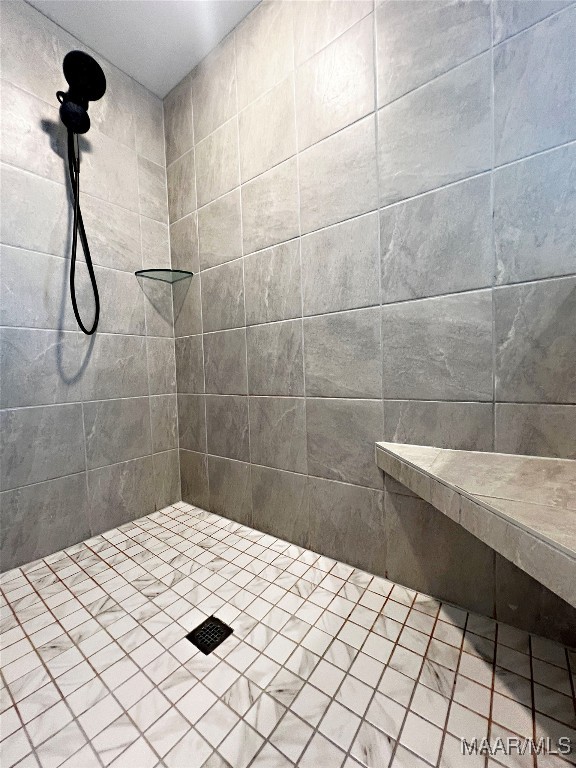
[184, 244]
[120, 493]
[280, 504]
[45, 277]
[110, 172]
[164, 422]
[220, 230]
[32, 50]
[192, 423]
[114, 116]
[152, 190]
[122, 303]
[278, 432]
[431, 553]
[438, 349]
[162, 365]
[417, 41]
[155, 243]
[336, 86]
[33, 138]
[544, 613]
[272, 284]
[460, 426]
[512, 16]
[438, 243]
[227, 426]
[189, 365]
[223, 297]
[217, 163]
[225, 362]
[347, 523]
[535, 342]
[535, 217]
[45, 360]
[187, 306]
[267, 130]
[436, 134]
[116, 430]
[341, 435]
[40, 519]
[178, 130]
[342, 355]
[270, 207]
[149, 125]
[181, 186]
[230, 489]
[166, 478]
[117, 367]
[214, 89]
[40, 444]
[264, 50]
[194, 478]
[535, 105]
[340, 266]
[275, 365]
[113, 234]
[158, 307]
[317, 24]
[39, 366]
[536, 430]
[338, 177]
[23, 193]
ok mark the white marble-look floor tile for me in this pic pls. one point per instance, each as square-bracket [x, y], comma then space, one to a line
[327, 666]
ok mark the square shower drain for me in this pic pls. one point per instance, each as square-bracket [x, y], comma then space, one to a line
[208, 635]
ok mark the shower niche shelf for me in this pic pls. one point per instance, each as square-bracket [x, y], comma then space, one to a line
[524, 507]
[164, 275]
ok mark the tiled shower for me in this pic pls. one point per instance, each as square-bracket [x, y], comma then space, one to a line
[378, 203]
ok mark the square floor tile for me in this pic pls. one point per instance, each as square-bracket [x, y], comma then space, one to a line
[191, 751]
[321, 753]
[421, 737]
[291, 736]
[371, 747]
[240, 745]
[339, 725]
[265, 714]
[217, 723]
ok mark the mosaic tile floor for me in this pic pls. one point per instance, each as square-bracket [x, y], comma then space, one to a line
[327, 667]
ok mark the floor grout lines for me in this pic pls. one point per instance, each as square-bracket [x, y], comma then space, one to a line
[327, 666]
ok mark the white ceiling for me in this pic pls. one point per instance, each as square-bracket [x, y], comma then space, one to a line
[156, 42]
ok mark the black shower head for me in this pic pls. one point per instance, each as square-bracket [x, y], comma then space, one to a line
[87, 83]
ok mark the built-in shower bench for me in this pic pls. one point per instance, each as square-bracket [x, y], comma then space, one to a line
[524, 507]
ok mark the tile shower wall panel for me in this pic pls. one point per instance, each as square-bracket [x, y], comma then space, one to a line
[79, 427]
[368, 268]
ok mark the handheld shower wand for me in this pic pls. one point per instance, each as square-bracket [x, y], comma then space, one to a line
[87, 83]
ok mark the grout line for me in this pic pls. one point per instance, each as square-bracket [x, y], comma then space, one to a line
[532, 698]
[494, 349]
[531, 26]
[451, 699]
[491, 707]
[454, 182]
[134, 531]
[301, 397]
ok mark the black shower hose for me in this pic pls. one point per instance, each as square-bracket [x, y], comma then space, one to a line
[74, 171]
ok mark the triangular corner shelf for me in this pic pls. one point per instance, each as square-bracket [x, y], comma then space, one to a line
[165, 275]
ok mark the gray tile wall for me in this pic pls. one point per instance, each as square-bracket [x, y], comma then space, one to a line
[89, 432]
[384, 217]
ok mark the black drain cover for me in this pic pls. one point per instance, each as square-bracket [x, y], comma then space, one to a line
[208, 635]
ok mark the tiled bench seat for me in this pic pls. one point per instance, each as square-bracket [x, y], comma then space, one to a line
[524, 507]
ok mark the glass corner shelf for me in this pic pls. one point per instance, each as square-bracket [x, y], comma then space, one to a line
[165, 275]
